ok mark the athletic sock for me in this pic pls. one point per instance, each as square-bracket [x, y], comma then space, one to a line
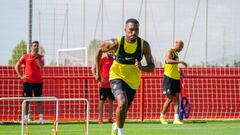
[176, 116]
[120, 131]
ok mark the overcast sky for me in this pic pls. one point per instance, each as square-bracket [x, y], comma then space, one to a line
[59, 24]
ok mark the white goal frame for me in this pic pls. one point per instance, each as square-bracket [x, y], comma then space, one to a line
[25, 99]
[73, 49]
[57, 108]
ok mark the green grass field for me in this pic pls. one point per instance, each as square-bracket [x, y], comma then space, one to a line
[132, 128]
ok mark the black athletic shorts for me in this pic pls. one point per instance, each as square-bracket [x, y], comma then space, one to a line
[35, 87]
[119, 86]
[104, 93]
[170, 86]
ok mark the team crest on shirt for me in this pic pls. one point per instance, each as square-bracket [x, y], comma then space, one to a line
[114, 86]
[168, 90]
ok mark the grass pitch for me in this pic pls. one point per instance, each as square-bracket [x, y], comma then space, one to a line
[132, 128]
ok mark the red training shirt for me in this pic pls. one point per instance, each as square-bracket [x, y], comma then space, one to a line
[32, 70]
[105, 65]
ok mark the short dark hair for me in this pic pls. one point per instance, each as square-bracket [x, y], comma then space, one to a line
[181, 42]
[132, 20]
[35, 42]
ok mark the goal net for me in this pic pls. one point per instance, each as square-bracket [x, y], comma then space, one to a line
[214, 93]
[69, 30]
[72, 57]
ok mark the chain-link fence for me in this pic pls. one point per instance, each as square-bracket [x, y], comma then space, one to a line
[210, 29]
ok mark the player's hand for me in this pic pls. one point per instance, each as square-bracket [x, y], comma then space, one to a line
[103, 81]
[24, 77]
[184, 63]
[138, 64]
[36, 57]
[98, 77]
[181, 72]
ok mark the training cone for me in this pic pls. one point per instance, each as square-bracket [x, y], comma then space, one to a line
[27, 131]
[54, 130]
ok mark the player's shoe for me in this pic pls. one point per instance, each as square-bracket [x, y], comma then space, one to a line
[41, 121]
[114, 129]
[177, 121]
[100, 120]
[163, 120]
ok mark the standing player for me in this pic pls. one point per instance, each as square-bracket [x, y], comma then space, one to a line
[33, 62]
[171, 81]
[105, 89]
[126, 69]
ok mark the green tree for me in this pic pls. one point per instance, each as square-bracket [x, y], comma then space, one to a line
[53, 63]
[67, 62]
[92, 50]
[19, 50]
[236, 63]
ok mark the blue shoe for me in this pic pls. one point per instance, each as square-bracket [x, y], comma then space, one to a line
[41, 121]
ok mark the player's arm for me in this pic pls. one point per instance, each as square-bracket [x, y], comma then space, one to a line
[93, 69]
[40, 61]
[17, 68]
[105, 46]
[149, 59]
[169, 59]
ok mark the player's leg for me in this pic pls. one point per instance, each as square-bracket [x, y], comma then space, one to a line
[169, 98]
[124, 96]
[176, 110]
[27, 92]
[100, 111]
[121, 109]
[110, 111]
[102, 99]
[176, 89]
[176, 103]
[130, 93]
[166, 105]
[38, 93]
[117, 87]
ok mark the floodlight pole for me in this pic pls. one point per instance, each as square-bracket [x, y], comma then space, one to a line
[84, 21]
[206, 34]
[146, 19]
[174, 16]
[122, 16]
[30, 25]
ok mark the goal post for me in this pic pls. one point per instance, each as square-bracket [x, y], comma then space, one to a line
[87, 110]
[39, 99]
[72, 56]
[57, 109]
[12, 106]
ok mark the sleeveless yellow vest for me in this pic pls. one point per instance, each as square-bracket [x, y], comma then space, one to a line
[129, 73]
[171, 70]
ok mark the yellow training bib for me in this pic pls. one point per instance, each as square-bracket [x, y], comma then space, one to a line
[129, 73]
